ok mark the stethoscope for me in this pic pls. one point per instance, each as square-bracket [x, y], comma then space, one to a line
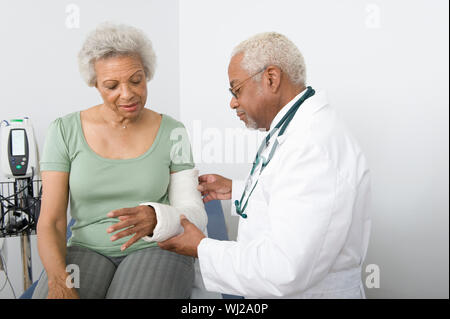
[283, 123]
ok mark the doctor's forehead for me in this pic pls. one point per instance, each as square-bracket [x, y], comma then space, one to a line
[235, 71]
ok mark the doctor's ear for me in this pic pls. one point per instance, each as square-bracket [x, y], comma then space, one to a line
[273, 76]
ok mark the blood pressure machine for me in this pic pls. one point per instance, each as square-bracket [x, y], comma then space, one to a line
[19, 209]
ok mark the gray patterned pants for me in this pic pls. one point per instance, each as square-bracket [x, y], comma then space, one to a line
[144, 274]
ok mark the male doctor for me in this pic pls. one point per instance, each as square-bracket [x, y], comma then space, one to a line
[304, 226]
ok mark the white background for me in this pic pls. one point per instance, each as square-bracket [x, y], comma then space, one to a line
[384, 65]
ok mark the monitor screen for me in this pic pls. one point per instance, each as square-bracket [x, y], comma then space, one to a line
[18, 142]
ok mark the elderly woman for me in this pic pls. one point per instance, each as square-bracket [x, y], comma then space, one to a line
[120, 163]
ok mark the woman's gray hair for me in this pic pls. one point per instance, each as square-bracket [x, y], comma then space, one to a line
[271, 48]
[109, 40]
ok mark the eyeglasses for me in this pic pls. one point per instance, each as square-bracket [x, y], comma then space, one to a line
[234, 91]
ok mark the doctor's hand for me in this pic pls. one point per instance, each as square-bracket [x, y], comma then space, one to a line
[213, 186]
[185, 243]
[140, 221]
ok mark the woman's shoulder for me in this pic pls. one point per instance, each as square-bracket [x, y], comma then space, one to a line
[62, 132]
[66, 121]
[71, 117]
[65, 126]
[72, 120]
[171, 122]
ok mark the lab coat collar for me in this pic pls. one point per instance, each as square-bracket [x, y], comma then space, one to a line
[285, 109]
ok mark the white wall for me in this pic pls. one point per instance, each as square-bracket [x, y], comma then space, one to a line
[384, 65]
[39, 75]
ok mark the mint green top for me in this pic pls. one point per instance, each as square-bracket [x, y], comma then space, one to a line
[99, 185]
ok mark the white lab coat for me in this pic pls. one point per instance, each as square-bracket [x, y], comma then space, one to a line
[308, 224]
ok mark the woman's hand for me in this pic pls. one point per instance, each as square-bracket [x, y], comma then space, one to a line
[140, 221]
[58, 289]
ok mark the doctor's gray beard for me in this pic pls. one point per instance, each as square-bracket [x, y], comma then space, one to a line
[251, 124]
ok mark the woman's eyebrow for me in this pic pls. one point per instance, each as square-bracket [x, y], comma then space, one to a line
[136, 73]
[129, 77]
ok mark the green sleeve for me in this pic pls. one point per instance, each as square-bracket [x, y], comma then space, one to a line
[181, 151]
[55, 156]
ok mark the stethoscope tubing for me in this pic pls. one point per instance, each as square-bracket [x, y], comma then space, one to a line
[283, 123]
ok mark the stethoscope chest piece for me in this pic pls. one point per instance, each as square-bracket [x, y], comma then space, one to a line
[238, 209]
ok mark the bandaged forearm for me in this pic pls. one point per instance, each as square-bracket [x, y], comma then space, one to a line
[184, 199]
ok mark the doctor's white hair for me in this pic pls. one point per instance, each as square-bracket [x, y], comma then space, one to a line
[271, 48]
[110, 40]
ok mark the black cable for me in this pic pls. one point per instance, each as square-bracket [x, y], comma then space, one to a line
[30, 222]
[29, 211]
[24, 187]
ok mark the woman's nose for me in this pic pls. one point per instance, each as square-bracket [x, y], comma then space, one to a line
[126, 92]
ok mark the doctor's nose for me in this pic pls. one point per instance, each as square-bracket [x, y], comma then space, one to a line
[234, 103]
